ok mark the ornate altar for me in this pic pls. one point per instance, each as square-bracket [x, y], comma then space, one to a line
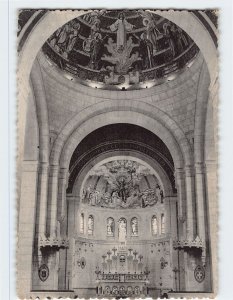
[122, 274]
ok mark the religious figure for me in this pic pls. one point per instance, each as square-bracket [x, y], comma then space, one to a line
[121, 26]
[64, 39]
[110, 227]
[90, 225]
[95, 48]
[122, 189]
[152, 32]
[182, 41]
[94, 198]
[72, 36]
[169, 33]
[154, 225]
[134, 226]
[122, 230]
[146, 51]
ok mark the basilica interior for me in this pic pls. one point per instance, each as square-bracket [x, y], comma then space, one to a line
[117, 159]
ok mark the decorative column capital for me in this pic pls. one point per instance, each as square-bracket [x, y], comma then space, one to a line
[199, 168]
[43, 168]
[189, 171]
[54, 170]
[179, 173]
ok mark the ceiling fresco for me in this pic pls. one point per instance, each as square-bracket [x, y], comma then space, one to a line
[127, 49]
[122, 183]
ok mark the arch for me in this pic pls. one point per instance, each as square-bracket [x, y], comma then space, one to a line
[132, 112]
[160, 173]
[200, 114]
[52, 20]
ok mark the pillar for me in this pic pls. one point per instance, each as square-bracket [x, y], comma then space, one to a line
[190, 203]
[42, 198]
[53, 182]
[200, 200]
[26, 230]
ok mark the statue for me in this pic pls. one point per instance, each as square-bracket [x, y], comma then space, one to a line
[121, 26]
[90, 225]
[134, 226]
[122, 230]
[154, 225]
[110, 227]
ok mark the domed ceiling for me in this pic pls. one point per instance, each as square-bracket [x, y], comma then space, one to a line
[121, 49]
[122, 183]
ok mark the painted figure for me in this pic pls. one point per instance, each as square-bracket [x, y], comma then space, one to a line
[121, 26]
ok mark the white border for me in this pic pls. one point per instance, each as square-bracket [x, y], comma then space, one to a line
[8, 128]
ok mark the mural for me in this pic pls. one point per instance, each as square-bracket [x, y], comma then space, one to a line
[120, 47]
[122, 184]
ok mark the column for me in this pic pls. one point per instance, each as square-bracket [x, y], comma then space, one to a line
[212, 209]
[180, 183]
[42, 198]
[200, 200]
[26, 229]
[62, 181]
[53, 182]
[190, 202]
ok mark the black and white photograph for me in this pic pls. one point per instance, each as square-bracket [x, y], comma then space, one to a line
[117, 170]
[117, 153]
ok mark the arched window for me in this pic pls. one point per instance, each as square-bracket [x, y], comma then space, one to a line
[110, 227]
[90, 225]
[81, 223]
[134, 226]
[154, 225]
[162, 224]
[122, 229]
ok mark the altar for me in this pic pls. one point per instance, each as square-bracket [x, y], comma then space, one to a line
[122, 274]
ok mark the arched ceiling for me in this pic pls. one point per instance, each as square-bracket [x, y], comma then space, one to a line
[126, 49]
[112, 138]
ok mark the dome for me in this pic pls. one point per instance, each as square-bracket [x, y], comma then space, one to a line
[120, 49]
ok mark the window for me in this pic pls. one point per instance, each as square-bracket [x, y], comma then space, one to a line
[110, 227]
[154, 225]
[162, 224]
[90, 225]
[81, 224]
[134, 226]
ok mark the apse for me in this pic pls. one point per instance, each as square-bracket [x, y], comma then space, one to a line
[144, 51]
